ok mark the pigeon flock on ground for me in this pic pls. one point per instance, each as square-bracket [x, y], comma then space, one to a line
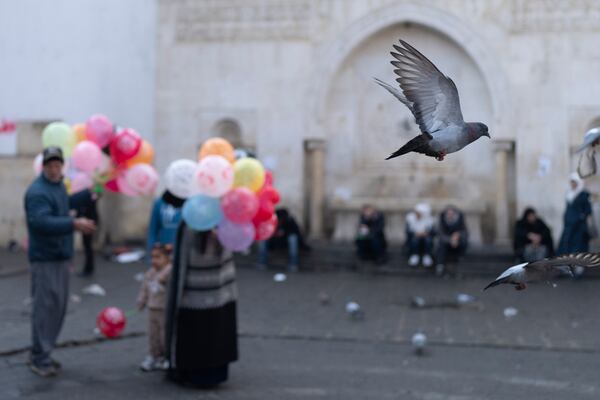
[432, 98]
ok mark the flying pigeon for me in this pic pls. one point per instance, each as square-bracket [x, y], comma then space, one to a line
[521, 274]
[432, 98]
[590, 139]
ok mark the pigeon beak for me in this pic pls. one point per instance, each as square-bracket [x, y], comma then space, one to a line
[487, 134]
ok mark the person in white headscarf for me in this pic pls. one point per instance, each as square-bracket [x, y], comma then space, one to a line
[419, 235]
[575, 236]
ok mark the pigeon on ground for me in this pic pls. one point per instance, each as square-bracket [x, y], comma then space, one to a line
[591, 138]
[432, 98]
[543, 270]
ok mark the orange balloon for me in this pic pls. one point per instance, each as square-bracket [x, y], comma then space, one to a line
[144, 155]
[217, 147]
[79, 130]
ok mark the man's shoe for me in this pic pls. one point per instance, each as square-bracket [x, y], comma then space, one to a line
[46, 371]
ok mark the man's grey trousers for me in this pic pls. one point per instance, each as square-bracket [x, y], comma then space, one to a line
[50, 295]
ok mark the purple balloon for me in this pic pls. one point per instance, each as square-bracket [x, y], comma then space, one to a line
[236, 237]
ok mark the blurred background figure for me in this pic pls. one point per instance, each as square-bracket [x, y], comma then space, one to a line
[164, 221]
[419, 235]
[286, 236]
[453, 237]
[370, 238]
[575, 235]
[87, 209]
[532, 239]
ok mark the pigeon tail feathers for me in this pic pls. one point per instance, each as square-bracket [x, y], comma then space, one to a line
[412, 145]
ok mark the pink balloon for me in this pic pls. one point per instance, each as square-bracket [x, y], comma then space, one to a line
[236, 237]
[124, 187]
[214, 176]
[125, 145]
[99, 130]
[142, 178]
[80, 182]
[86, 156]
[240, 205]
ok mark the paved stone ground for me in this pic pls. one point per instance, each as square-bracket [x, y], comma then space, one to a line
[295, 347]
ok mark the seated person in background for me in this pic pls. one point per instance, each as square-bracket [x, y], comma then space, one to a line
[453, 237]
[419, 235]
[286, 236]
[370, 238]
[533, 239]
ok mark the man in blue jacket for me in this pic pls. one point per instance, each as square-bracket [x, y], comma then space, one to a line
[50, 228]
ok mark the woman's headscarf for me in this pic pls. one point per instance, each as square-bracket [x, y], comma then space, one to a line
[573, 193]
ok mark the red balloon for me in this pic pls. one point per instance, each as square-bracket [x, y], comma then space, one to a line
[264, 230]
[111, 322]
[268, 178]
[240, 205]
[266, 209]
[125, 145]
[270, 193]
[112, 185]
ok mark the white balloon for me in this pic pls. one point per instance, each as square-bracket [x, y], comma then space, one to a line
[179, 178]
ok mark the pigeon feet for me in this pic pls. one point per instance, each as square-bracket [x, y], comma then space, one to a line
[520, 286]
[441, 155]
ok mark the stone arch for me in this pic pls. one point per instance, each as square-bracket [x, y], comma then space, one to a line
[332, 55]
[229, 129]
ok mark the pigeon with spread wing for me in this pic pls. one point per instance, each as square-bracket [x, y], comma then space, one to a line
[544, 270]
[433, 99]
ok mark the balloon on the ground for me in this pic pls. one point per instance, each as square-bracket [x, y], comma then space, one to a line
[125, 145]
[249, 172]
[217, 147]
[236, 237]
[180, 178]
[240, 205]
[266, 229]
[81, 181]
[214, 176]
[99, 130]
[80, 132]
[86, 156]
[144, 155]
[201, 212]
[111, 322]
[142, 178]
[61, 135]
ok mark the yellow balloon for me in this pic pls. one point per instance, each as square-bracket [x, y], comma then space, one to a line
[248, 172]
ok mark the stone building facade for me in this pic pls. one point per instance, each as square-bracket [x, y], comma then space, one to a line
[292, 80]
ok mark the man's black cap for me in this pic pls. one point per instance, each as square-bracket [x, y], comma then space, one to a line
[52, 153]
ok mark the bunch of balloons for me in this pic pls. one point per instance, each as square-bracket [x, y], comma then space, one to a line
[111, 322]
[235, 196]
[101, 155]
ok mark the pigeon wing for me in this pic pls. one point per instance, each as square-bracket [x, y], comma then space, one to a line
[549, 265]
[434, 97]
[590, 137]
